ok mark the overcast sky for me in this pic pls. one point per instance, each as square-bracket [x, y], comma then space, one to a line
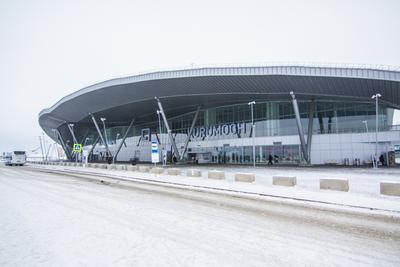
[51, 48]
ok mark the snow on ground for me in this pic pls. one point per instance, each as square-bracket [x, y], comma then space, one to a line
[53, 220]
[364, 183]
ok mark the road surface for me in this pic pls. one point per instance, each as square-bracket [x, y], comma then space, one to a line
[57, 220]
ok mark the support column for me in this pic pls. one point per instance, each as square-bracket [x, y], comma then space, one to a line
[100, 135]
[72, 133]
[299, 127]
[71, 130]
[171, 138]
[93, 146]
[84, 137]
[66, 151]
[123, 140]
[190, 132]
[310, 129]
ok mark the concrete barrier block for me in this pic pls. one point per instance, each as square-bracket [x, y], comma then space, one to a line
[284, 180]
[245, 177]
[132, 168]
[174, 171]
[111, 167]
[157, 170]
[80, 164]
[334, 184]
[103, 166]
[390, 188]
[193, 173]
[144, 168]
[218, 175]
[121, 167]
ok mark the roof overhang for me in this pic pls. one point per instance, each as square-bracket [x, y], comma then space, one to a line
[181, 91]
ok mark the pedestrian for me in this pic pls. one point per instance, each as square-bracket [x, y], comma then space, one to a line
[382, 159]
[270, 158]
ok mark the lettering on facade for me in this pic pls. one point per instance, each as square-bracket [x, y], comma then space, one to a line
[236, 128]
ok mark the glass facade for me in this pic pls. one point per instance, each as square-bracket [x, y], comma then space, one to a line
[217, 127]
[277, 118]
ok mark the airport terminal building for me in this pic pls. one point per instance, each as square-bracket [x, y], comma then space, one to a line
[296, 114]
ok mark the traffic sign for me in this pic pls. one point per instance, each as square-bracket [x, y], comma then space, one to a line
[155, 158]
[77, 148]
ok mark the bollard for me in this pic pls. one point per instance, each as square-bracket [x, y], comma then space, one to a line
[144, 168]
[284, 180]
[390, 188]
[132, 168]
[193, 173]
[218, 175]
[111, 167]
[245, 177]
[103, 166]
[157, 170]
[174, 171]
[121, 167]
[334, 184]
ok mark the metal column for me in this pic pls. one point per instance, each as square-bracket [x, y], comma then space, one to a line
[123, 140]
[93, 146]
[72, 133]
[41, 147]
[84, 137]
[168, 129]
[100, 135]
[71, 130]
[299, 127]
[66, 151]
[190, 132]
[310, 129]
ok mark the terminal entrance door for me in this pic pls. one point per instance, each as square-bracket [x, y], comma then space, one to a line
[233, 155]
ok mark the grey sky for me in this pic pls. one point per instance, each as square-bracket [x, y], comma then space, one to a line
[51, 48]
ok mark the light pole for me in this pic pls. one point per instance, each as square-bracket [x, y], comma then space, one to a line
[253, 130]
[366, 125]
[116, 138]
[162, 148]
[41, 147]
[376, 97]
[86, 139]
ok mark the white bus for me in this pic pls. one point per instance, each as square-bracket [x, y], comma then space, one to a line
[17, 158]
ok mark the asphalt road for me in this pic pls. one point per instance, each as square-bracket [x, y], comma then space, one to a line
[57, 220]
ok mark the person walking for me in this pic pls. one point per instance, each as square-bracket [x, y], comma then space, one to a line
[270, 158]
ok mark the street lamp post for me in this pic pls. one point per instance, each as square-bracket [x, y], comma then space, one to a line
[366, 126]
[116, 138]
[253, 128]
[86, 139]
[376, 97]
[41, 147]
[161, 143]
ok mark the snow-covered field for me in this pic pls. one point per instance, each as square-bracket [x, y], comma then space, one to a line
[55, 220]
